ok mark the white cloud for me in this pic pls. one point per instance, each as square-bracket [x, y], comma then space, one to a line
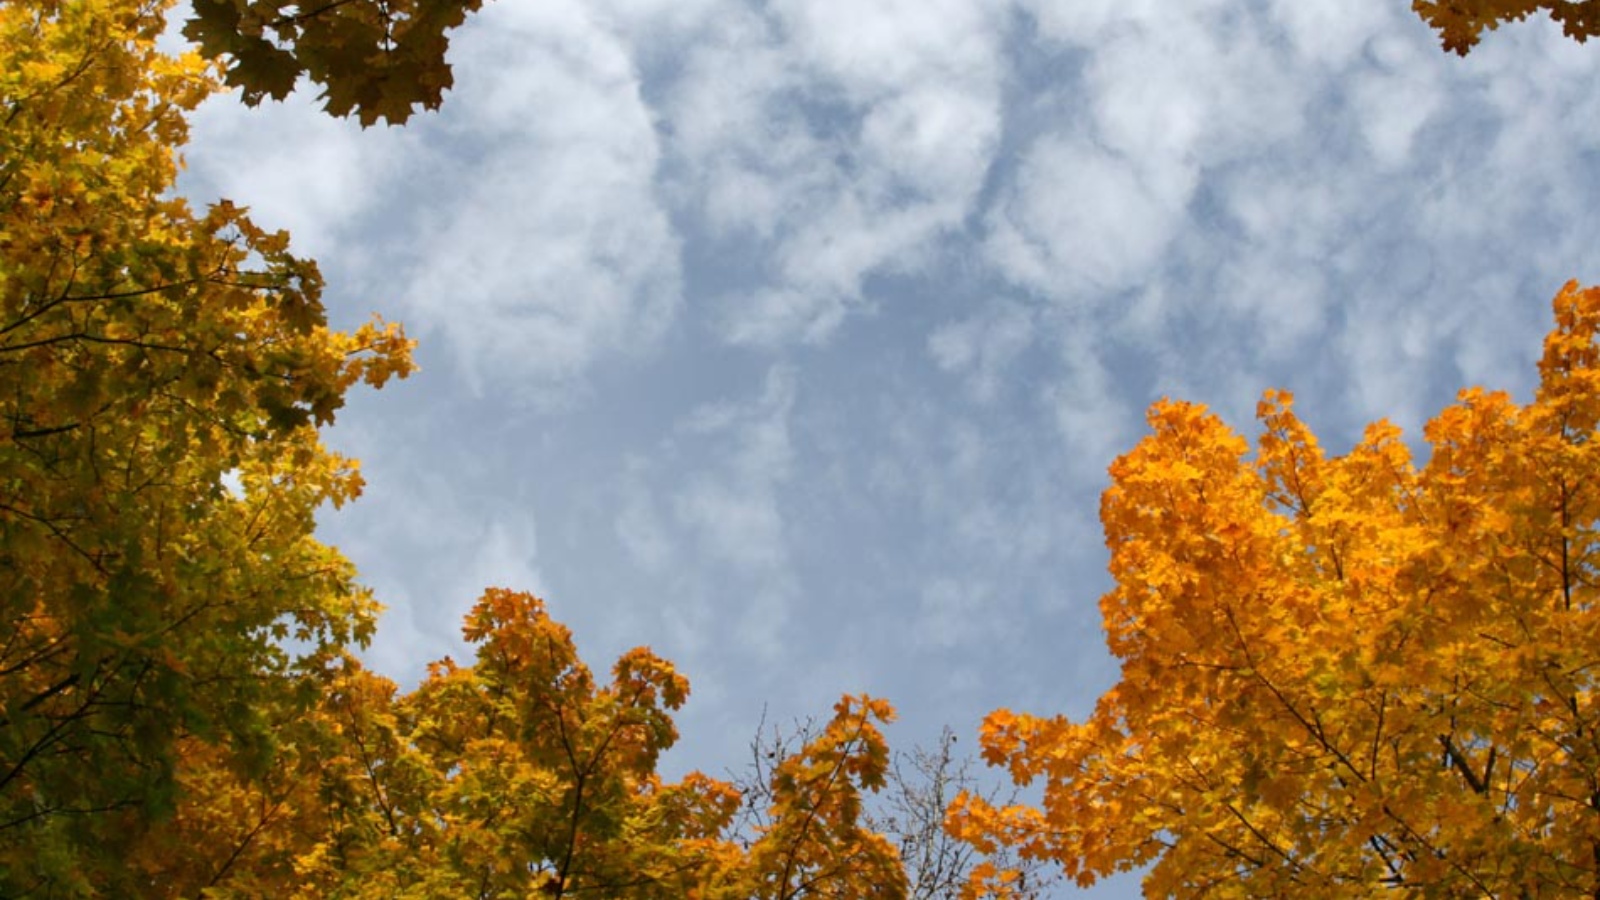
[1095, 418]
[983, 346]
[932, 142]
[738, 523]
[1078, 218]
[522, 219]
[422, 621]
[457, 541]
[1166, 98]
[1284, 301]
[1332, 35]
[820, 267]
[505, 555]
[845, 140]
[295, 167]
[1396, 98]
[1193, 89]
[1086, 23]
[950, 613]
[733, 508]
[656, 28]
[772, 315]
[639, 525]
[886, 47]
[1150, 100]
[549, 252]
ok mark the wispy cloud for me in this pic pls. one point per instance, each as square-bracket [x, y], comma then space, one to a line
[849, 141]
[1079, 220]
[550, 250]
[705, 513]
[983, 346]
[520, 224]
[296, 168]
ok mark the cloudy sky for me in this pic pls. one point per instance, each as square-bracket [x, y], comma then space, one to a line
[793, 338]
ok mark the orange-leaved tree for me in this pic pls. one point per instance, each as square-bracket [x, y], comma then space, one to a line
[1341, 674]
[1461, 23]
[163, 374]
[909, 812]
[520, 775]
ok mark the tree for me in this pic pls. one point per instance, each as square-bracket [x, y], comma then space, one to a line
[809, 835]
[254, 831]
[922, 785]
[516, 776]
[376, 59]
[909, 810]
[520, 776]
[163, 374]
[1461, 23]
[1341, 674]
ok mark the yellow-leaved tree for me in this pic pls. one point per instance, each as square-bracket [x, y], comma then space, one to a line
[519, 776]
[1341, 675]
[163, 373]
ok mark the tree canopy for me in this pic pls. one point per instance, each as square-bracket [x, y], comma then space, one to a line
[519, 776]
[1340, 673]
[163, 373]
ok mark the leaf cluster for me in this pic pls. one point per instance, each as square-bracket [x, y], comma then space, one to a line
[1461, 23]
[375, 59]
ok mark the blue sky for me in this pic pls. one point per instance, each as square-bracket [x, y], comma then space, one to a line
[793, 338]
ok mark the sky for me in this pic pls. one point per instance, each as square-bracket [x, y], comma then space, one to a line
[793, 338]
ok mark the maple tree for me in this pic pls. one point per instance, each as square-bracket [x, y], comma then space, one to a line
[163, 373]
[1341, 673]
[519, 775]
[814, 839]
[1461, 23]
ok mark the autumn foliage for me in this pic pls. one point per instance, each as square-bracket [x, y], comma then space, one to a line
[519, 776]
[163, 372]
[1341, 673]
[374, 59]
[1461, 23]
